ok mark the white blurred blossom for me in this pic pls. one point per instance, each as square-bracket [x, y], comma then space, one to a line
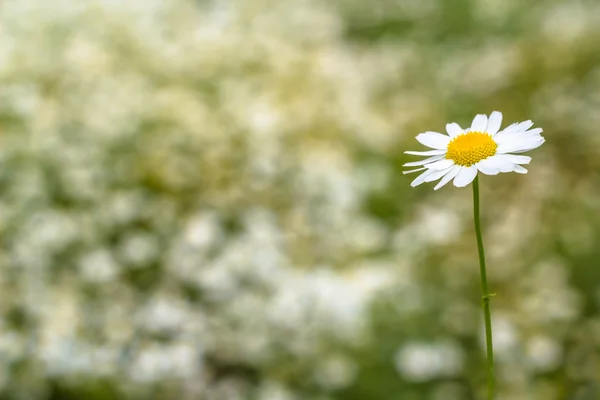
[420, 362]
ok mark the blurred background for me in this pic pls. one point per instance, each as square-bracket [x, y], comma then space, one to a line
[203, 200]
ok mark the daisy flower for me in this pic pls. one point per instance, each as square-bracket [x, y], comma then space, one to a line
[463, 153]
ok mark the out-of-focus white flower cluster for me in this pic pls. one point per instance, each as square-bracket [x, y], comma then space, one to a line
[185, 190]
[179, 197]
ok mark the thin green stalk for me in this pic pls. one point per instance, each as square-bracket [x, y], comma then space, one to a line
[487, 313]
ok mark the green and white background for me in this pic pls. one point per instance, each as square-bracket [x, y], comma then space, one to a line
[203, 200]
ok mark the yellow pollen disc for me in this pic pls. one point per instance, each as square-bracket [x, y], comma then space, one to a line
[470, 148]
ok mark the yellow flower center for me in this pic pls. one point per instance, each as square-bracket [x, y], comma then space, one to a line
[470, 148]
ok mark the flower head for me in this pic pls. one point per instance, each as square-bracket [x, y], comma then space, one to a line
[482, 147]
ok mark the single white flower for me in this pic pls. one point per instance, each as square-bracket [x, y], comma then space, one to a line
[482, 147]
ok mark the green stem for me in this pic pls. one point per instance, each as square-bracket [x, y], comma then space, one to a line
[487, 313]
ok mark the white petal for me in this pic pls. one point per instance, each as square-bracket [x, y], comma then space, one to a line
[434, 140]
[479, 123]
[516, 159]
[516, 127]
[523, 126]
[426, 153]
[437, 174]
[509, 129]
[454, 129]
[487, 169]
[441, 164]
[501, 139]
[517, 142]
[496, 162]
[535, 131]
[520, 170]
[423, 162]
[465, 176]
[519, 135]
[421, 178]
[519, 146]
[448, 177]
[494, 123]
[413, 170]
[532, 147]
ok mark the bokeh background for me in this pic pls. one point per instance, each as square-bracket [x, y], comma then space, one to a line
[204, 200]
